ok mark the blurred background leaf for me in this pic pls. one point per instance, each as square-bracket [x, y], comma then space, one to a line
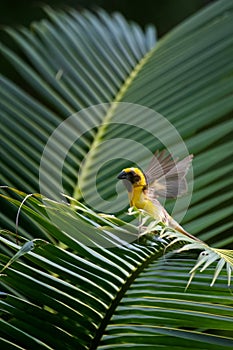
[191, 85]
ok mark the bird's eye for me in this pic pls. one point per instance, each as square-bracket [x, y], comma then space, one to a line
[133, 177]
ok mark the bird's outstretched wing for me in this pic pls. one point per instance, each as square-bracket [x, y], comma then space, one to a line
[166, 176]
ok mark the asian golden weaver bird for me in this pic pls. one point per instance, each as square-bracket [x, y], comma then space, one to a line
[164, 177]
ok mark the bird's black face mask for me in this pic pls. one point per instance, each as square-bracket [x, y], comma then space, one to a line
[129, 178]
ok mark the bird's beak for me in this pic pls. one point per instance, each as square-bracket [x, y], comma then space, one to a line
[122, 175]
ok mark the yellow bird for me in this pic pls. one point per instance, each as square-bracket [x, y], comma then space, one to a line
[165, 177]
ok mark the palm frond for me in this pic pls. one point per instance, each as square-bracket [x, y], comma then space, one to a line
[209, 255]
[103, 59]
[156, 312]
[73, 292]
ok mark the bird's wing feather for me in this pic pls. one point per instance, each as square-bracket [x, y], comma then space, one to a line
[166, 176]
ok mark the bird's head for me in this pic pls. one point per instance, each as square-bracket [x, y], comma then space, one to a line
[133, 177]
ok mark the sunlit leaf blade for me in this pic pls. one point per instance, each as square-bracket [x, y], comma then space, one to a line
[27, 247]
[229, 272]
[207, 257]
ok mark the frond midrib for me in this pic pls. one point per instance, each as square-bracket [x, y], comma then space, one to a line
[106, 120]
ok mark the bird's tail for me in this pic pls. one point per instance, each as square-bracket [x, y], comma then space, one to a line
[180, 229]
